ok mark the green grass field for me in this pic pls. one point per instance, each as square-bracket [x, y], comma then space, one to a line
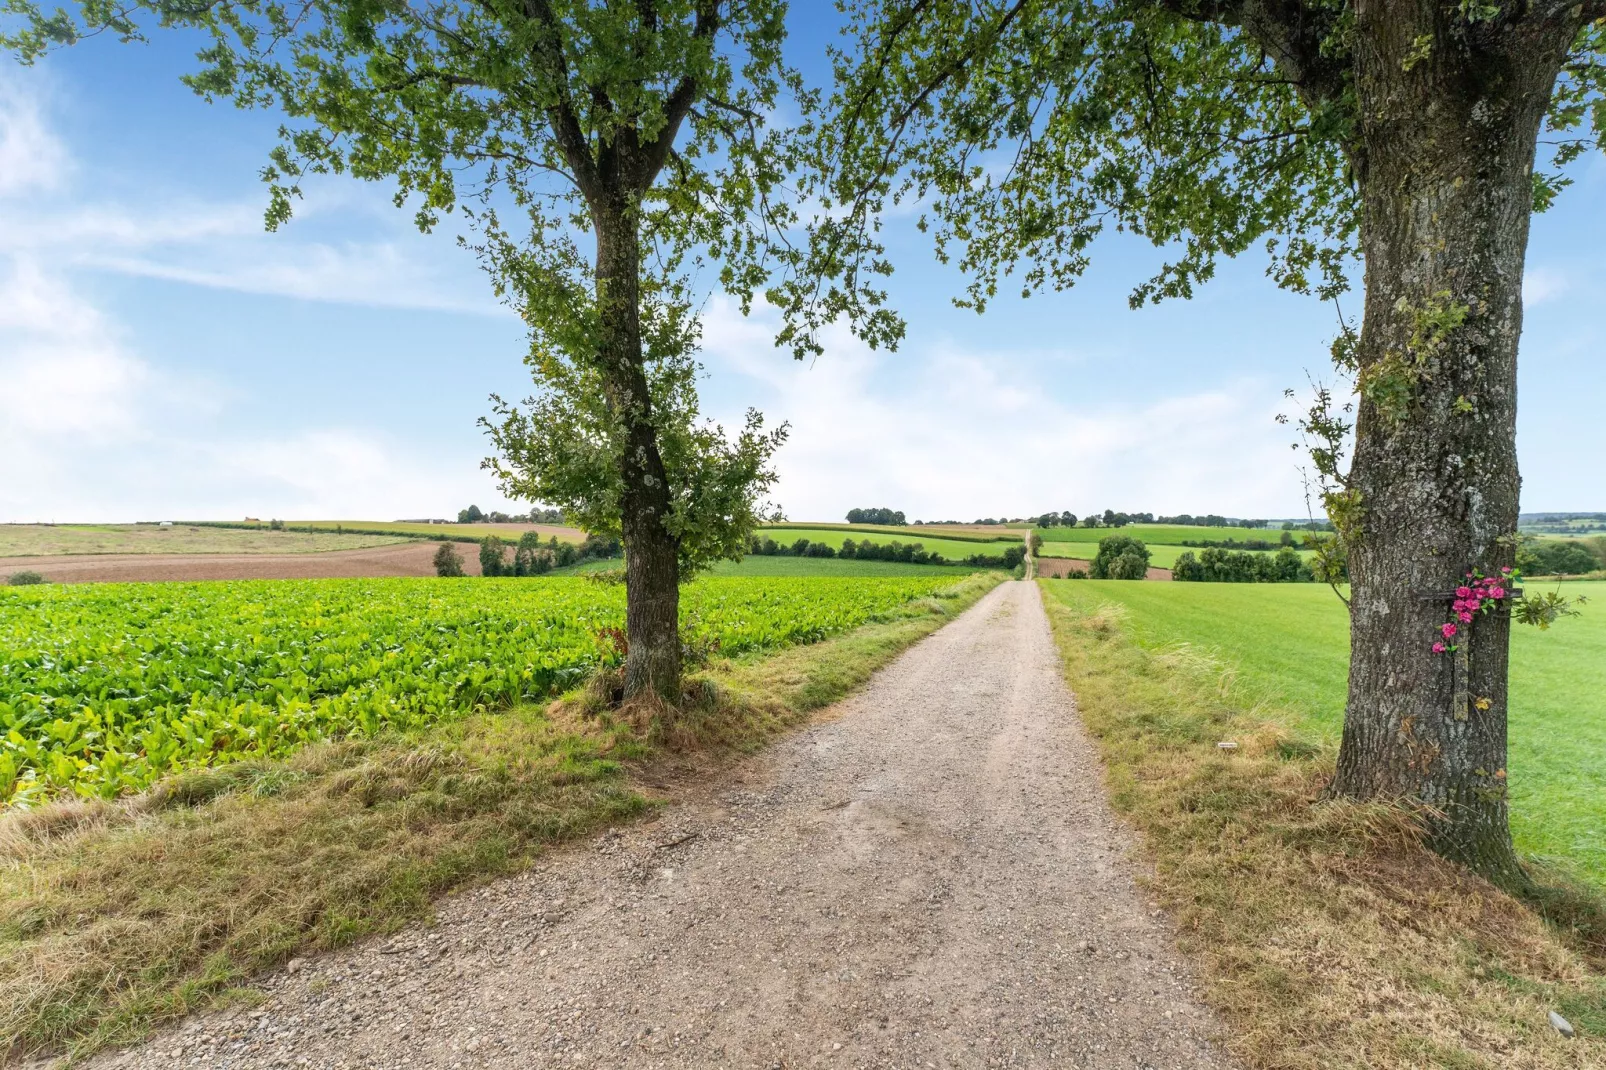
[54, 540]
[957, 532]
[791, 566]
[1165, 541]
[1165, 534]
[829, 566]
[1286, 648]
[1159, 556]
[952, 549]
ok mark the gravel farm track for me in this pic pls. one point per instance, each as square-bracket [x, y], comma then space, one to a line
[928, 876]
[399, 559]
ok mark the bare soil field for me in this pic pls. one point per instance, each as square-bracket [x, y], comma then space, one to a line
[1054, 568]
[410, 558]
[930, 877]
[50, 540]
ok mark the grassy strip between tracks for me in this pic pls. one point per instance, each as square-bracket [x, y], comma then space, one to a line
[1324, 933]
[116, 916]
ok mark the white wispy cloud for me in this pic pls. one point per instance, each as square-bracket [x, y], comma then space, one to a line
[90, 429]
[942, 433]
[31, 156]
[1543, 284]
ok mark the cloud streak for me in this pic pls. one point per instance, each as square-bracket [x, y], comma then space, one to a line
[948, 434]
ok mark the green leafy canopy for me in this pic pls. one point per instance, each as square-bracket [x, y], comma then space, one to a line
[1024, 129]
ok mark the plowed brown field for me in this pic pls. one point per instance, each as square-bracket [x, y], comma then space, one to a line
[404, 559]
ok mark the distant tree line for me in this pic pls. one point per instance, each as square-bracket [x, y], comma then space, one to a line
[1243, 544]
[1112, 518]
[473, 515]
[890, 517]
[1562, 523]
[1108, 519]
[908, 552]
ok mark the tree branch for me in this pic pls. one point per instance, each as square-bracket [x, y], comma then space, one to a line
[650, 160]
[419, 77]
[561, 114]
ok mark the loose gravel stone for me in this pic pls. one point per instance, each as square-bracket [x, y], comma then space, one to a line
[930, 877]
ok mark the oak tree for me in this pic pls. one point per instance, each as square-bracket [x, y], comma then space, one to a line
[1398, 133]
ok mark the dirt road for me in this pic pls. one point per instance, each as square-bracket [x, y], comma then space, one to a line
[399, 559]
[929, 878]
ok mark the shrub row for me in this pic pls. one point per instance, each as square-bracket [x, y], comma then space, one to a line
[1243, 544]
[909, 552]
[530, 557]
[1238, 566]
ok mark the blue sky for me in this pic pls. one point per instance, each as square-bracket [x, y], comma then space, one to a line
[162, 356]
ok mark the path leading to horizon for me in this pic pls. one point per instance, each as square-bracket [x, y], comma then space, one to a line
[930, 877]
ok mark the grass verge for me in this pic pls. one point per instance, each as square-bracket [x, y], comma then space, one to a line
[1325, 934]
[114, 917]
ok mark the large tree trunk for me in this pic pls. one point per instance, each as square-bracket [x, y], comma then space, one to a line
[1444, 154]
[652, 567]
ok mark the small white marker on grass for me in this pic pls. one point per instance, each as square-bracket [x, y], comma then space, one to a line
[1226, 744]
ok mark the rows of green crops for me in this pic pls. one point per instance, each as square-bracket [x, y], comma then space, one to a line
[104, 688]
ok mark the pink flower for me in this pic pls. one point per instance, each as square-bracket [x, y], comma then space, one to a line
[1505, 568]
[1448, 630]
[1466, 618]
[1463, 592]
[1497, 592]
[1438, 648]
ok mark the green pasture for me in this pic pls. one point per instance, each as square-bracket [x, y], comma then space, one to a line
[1159, 556]
[1285, 649]
[829, 566]
[791, 566]
[1167, 534]
[953, 549]
[957, 532]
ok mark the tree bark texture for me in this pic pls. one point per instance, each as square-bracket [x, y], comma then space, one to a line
[1444, 155]
[652, 566]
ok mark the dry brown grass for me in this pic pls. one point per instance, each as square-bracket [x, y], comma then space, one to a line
[1326, 935]
[114, 916]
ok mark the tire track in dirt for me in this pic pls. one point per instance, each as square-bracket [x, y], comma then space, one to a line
[930, 877]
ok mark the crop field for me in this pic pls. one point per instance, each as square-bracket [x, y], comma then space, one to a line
[828, 566]
[958, 532]
[952, 549]
[510, 532]
[1285, 648]
[1165, 541]
[57, 540]
[1159, 556]
[106, 688]
[1167, 534]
